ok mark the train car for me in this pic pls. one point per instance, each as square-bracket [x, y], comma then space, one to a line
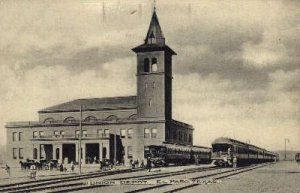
[165, 154]
[200, 154]
[225, 149]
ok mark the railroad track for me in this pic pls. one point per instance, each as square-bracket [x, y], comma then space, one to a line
[78, 183]
[168, 188]
[41, 182]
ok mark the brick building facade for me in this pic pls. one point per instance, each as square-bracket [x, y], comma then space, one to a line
[112, 128]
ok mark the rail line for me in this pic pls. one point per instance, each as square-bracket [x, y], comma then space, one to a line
[219, 175]
[142, 177]
[41, 182]
[73, 183]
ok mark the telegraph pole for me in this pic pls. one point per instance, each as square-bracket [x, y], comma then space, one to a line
[80, 137]
[285, 140]
[115, 149]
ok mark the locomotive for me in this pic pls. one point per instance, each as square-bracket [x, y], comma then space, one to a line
[165, 154]
[224, 150]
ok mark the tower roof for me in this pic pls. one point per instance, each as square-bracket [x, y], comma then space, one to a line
[155, 40]
[155, 34]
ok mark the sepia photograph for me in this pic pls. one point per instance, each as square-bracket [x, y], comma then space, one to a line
[161, 96]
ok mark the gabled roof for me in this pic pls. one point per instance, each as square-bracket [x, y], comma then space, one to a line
[109, 103]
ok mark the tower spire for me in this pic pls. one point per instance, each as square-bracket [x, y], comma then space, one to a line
[155, 34]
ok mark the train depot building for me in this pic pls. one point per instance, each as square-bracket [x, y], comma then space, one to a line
[116, 128]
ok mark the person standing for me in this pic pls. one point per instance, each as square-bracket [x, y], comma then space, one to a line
[234, 162]
[33, 171]
[72, 166]
[148, 165]
[7, 168]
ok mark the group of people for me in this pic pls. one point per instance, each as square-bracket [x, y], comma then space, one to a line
[62, 167]
[136, 164]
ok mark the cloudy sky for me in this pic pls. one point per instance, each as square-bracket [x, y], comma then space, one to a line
[237, 72]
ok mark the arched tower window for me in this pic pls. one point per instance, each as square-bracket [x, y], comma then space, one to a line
[154, 67]
[146, 65]
[69, 120]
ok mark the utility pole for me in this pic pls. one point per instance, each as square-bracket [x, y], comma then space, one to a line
[80, 137]
[115, 149]
[285, 140]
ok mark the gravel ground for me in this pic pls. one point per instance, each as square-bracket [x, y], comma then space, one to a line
[283, 177]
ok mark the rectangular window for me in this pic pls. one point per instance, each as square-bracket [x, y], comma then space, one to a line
[185, 137]
[84, 133]
[62, 134]
[35, 134]
[129, 133]
[15, 153]
[100, 133]
[146, 133]
[15, 136]
[129, 152]
[41, 134]
[77, 133]
[21, 153]
[20, 136]
[190, 138]
[123, 133]
[56, 134]
[106, 132]
[153, 133]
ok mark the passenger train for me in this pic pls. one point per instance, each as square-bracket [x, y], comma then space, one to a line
[225, 149]
[165, 154]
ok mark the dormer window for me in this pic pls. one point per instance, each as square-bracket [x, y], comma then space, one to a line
[146, 65]
[154, 67]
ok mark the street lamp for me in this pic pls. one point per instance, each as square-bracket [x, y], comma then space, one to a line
[285, 140]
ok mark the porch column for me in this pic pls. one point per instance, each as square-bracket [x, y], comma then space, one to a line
[54, 151]
[61, 159]
[101, 151]
[38, 152]
[83, 153]
[77, 153]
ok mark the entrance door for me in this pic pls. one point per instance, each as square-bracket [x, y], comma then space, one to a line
[92, 153]
[69, 153]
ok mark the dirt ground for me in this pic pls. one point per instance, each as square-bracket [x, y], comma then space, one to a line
[283, 177]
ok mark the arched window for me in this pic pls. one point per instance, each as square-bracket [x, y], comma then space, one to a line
[91, 119]
[154, 65]
[112, 118]
[132, 117]
[146, 65]
[49, 120]
[69, 120]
